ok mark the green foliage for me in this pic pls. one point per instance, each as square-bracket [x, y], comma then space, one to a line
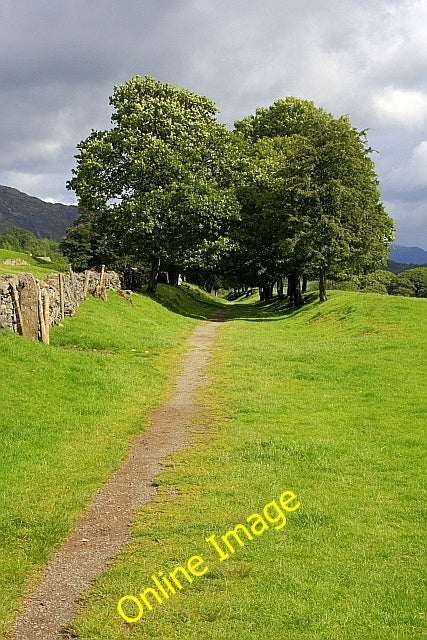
[274, 196]
[351, 284]
[79, 245]
[292, 191]
[311, 199]
[411, 283]
[159, 181]
[398, 267]
[87, 246]
[377, 282]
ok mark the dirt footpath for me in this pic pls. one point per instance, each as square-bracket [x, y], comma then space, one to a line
[104, 528]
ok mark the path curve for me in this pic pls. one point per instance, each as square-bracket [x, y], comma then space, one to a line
[104, 528]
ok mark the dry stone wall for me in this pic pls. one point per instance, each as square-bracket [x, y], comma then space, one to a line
[29, 306]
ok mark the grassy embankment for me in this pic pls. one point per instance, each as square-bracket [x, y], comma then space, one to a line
[329, 403]
[39, 268]
[68, 412]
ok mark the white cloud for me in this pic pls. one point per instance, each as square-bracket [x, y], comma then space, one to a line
[411, 221]
[411, 174]
[46, 186]
[401, 106]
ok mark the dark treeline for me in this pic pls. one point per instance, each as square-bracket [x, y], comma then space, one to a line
[290, 194]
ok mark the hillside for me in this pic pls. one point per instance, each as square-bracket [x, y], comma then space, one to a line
[38, 267]
[44, 219]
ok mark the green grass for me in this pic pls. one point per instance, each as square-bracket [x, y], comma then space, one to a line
[39, 268]
[188, 300]
[328, 402]
[68, 413]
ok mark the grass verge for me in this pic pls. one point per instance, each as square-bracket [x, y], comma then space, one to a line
[328, 402]
[68, 413]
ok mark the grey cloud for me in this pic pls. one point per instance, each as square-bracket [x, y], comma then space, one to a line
[60, 61]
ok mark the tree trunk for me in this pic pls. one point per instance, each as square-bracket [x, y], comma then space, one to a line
[280, 295]
[261, 293]
[173, 273]
[322, 285]
[304, 283]
[154, 273]
[295, 293]
[299, 300]
[267, 292]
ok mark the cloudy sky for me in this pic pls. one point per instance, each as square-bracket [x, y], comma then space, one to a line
[366, 58]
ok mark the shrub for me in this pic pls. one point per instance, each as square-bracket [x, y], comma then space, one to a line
[411, 283]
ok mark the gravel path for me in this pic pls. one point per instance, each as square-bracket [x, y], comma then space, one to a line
[104, 529]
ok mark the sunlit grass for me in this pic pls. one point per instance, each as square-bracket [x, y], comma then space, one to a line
[39, 268]
[68, 412]
[328, 402]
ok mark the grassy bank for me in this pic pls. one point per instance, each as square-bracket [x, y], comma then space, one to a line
[39, 268]
[68, 412]
[328, 402]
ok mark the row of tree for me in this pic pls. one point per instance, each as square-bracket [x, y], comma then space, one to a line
[291, 191]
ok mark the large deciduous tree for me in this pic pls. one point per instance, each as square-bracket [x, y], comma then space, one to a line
[326, 195]
[160, 181]
[275, 197]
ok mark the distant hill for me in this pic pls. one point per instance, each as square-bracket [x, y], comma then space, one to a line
[44, 219]
[407, 255]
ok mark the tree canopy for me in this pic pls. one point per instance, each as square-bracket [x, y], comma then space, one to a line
[160, 180]
[292, 191]
[324, 191]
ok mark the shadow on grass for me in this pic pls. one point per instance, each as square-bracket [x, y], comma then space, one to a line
[195, 303]
[186, 300]
[268, 311]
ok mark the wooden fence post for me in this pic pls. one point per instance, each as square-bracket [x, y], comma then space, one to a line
[46, 316]
[17, 308]
[42, 325]
[61, 295]
[86, 285]
[100, 291]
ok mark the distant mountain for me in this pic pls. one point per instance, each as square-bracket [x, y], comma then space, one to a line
[407, 255]
[44, 219]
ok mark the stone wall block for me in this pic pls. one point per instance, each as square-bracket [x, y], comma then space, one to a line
[20, 304]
